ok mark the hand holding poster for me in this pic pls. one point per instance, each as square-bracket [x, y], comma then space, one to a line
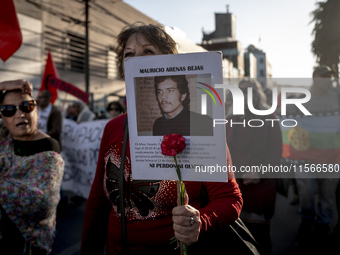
[175, 94]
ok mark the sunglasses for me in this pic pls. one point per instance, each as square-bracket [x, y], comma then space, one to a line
[114, 109]
[9, 110]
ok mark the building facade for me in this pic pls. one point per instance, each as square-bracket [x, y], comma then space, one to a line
[263, 66]
[58, 27]
[224, 39]
[250, 65]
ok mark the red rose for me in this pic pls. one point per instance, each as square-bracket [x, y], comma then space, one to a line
[172, 144]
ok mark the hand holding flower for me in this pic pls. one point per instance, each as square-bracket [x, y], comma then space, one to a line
[181, 218]
[171, 146]
[184, 216]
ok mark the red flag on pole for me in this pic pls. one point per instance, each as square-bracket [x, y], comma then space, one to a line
[50, 70]
[10, 33]
[69, 88]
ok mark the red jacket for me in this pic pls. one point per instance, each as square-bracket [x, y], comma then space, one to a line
[149, 203]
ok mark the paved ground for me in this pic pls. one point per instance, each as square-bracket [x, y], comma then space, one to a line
[69, 229]
[284, 229]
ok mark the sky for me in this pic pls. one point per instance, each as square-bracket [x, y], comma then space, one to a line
[282, 29]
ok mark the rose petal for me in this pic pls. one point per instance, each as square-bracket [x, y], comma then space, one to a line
[172, 144]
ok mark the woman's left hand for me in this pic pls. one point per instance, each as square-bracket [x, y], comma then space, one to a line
[187, 223]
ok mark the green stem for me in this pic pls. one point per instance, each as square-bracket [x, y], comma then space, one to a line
[178, 170]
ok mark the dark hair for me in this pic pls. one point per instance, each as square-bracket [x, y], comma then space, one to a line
[46, 93]
[78, 104]
[182, 86]
[155, 34]
[4, 93]
[118, 104]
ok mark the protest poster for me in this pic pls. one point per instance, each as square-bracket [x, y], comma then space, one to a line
[178, 87]
[80, 149]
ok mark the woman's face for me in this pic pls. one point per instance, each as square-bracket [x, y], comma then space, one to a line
[22, 126]
[114, 111]
[137, 45]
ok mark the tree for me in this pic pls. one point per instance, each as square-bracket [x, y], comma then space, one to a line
[326, 44]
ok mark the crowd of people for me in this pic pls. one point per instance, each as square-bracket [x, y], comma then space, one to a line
[31, 171]
[80, 112]
[315, 195]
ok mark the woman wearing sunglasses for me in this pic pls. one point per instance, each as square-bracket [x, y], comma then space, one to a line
[31, 170]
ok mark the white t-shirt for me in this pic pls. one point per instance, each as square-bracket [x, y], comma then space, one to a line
[43, 117]
[85, 115]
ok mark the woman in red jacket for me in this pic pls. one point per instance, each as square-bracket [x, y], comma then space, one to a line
[153, 217]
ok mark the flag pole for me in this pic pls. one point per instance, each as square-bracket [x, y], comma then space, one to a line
[87, 68]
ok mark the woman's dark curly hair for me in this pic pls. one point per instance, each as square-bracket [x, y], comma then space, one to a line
[155, 34]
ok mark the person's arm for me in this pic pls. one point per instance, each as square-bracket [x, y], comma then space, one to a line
[225, 202]
[97, 209]
[25, 86]
[224, 207]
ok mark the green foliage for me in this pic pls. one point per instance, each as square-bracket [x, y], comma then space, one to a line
[326, 44]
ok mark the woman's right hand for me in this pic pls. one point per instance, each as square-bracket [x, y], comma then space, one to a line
[25, 86]
[186, 222]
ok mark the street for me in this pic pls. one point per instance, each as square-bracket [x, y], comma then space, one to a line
[69, 228]
[284, 228]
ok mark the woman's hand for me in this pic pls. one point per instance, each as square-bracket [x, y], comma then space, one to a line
[187, 223]
[25, 86]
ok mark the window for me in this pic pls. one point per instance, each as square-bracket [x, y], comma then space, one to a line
[112, 71]
[261, 73]
[69, 53]
[76, 53]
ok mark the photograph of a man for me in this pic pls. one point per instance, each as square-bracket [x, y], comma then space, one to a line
[173, 97]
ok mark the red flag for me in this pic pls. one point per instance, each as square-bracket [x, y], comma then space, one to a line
[69, 88]
[50, 70]
[10, 33]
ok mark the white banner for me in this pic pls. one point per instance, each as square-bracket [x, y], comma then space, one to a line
[80, 149]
